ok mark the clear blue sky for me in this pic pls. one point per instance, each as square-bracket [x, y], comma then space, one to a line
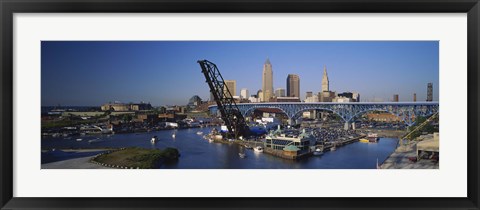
[87, 73]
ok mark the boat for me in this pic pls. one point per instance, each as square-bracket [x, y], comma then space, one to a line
[318, 152]
[333, 148]
[79, 139]
[258, 149]
[364, 140]
[372, 137]
[173, 135]
[154, 139]
[95, 140]
[199, 133]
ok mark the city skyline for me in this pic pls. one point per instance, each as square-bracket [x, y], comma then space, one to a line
[166, 72]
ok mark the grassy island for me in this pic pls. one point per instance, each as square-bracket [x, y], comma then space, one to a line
[135, 157]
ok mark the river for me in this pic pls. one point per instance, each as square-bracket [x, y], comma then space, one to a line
[198, 153]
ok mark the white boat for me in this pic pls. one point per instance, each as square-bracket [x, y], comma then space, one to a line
[258, 149]
[211, 140]
[199, 133]
[242, 155]
[318, 152]
[154, 139]
[95, 140]
[333, 148]
[173, 135]
[79, 139]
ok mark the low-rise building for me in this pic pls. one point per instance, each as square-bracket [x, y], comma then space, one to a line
[383, 117]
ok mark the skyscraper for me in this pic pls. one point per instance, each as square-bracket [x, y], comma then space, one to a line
[414, 97]
[430, 92]
[293, 85]
[267, 80]
[325, 83]
[280, 92]
[244, 93]
[232, 87]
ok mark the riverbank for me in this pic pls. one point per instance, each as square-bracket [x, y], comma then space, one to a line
[399, 159]
[76, 163]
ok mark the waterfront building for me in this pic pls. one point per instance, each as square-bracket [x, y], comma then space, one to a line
[414, 97]
[325, 82]
[293, 85]
[280, 92]
[244, 93]
[122, 107]
[232, 87]
[289, 140]
[267, 81]
[430, 91]
[395, 98]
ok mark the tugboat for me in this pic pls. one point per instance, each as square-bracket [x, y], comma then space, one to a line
[154, 139]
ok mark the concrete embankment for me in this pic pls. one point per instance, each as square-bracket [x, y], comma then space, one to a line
[399, 159]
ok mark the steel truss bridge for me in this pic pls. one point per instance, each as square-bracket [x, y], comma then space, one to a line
[406, 111]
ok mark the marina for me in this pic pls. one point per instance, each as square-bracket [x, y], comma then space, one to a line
[200, 153]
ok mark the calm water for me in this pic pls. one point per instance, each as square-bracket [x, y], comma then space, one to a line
[197, 152]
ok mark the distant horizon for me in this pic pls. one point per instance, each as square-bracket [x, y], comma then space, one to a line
[163, 73]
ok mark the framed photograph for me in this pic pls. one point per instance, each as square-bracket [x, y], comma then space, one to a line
[239, 105]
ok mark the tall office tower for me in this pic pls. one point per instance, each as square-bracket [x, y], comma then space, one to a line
[414, 97]
[325, 85]
[280, 92]
[267, 80]
[232, 87]
[430, 92]
[293, 85]
[395, 98]
[308, 94]
[244, 93]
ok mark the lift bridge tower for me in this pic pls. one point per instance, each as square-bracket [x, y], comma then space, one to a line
[229, 111]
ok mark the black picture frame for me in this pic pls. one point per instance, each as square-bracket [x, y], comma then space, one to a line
[9, 7]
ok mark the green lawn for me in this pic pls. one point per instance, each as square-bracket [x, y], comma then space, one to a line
[138, 157]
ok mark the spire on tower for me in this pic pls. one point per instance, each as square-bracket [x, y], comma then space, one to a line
[267, 61]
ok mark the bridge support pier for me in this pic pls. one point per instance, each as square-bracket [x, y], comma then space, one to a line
[353, 126]
[346, 126]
